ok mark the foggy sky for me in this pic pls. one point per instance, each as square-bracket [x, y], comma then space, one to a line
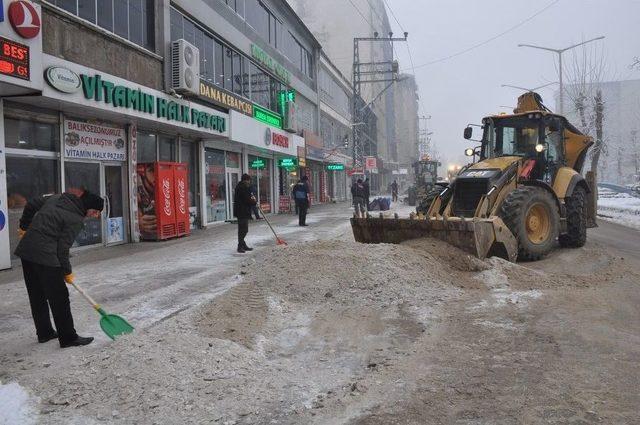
[464, 89]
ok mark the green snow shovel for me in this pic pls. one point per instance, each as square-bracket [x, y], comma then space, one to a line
[111, 324]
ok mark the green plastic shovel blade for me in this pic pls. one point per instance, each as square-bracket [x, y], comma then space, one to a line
[114, 325]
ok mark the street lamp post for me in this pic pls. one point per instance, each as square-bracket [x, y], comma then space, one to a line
[560, 52]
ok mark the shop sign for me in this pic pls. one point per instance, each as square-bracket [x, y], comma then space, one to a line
[335, 167]
[118, 96]
[63, 79]
[266, 60]
[257, 164]
[281, 140]
[14, 59]
[92, 141]
[355, 170]
[370, 163]
[288, 163]
[24, 19]
[267, 117]
[302, 159]
[221, 97]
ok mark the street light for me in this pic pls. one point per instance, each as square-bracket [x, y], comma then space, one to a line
[526, 89]
[560, 52]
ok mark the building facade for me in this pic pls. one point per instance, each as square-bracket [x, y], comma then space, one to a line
[407, 127]
[92, 98]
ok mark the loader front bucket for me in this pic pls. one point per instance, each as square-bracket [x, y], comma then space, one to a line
[480, 237]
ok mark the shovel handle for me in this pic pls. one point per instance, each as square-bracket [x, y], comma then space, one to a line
[86, 296]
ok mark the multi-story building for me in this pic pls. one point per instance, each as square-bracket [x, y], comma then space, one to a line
[94, 92]
[407, 125]
[335, 23]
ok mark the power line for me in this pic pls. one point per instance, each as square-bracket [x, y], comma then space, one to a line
[361, 15]
[475, 46]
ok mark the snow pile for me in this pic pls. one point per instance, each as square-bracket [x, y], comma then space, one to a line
[16, 406]
[621, 208]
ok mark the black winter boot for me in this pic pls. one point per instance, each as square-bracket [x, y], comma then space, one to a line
[80, 340]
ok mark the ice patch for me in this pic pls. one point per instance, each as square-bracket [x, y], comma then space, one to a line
[501, 294]
[16, 406]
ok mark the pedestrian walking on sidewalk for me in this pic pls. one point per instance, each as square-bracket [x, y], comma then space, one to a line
[243, 202]
[48, 227]
[358, 194]
[394, 191]
[301, 196]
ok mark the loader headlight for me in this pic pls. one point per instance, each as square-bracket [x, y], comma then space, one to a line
[468, 151]
[539, 148]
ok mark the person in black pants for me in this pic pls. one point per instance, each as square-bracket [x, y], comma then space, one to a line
[242, 205]
[48, 227]
[301, 196]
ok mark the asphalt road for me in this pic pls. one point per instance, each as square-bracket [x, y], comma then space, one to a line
[618, 237]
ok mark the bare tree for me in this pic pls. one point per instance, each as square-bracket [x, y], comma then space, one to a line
[585, 75]
[636, 63]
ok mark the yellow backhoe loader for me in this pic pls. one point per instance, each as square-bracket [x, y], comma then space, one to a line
[523, 194]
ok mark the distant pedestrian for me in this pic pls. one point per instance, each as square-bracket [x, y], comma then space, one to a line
[254, 208]
[242, 204]
[367, 192]
[358, 194]
[394, 191]
[301, 196]
[48, 227]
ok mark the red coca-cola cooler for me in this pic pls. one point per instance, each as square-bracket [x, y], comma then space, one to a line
[181, 196]
[163, 190]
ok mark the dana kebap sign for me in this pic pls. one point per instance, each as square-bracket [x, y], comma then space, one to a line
[119, 96]
[91, 141]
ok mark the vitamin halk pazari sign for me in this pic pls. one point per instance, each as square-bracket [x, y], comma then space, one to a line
[92, 141]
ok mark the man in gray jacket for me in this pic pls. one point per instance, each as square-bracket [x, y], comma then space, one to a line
[48, 228]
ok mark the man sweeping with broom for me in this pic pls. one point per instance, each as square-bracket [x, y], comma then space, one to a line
[243, 201]
[48, 228]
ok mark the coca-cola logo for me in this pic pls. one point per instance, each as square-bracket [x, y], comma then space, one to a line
[182, 198]
[166, 191]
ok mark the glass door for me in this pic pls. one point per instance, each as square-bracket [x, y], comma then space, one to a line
[80, 176]
[114, 209]
[233, 178]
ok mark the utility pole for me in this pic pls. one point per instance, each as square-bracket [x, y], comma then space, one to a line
[636, 153]
[369, 73]
[423, 136]
[560, 52]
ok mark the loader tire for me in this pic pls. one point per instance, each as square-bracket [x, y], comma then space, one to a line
[576, 207]
[425, 204]
[532, 216]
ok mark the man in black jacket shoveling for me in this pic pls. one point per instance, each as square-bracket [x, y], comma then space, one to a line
[243, 202]
[48, 228]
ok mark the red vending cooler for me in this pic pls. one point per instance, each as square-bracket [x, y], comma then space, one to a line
[181, 190]
[163, 200]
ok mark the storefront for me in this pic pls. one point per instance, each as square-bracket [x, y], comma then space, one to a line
[315, 170]
[264, 147]
[90, 131]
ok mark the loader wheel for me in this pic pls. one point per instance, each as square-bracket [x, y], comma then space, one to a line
[425, 204]
[532, 216]
[576, 207]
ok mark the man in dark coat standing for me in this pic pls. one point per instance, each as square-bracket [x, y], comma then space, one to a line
[367, 192]
[301, 195]
[243, 203]
[48, 228]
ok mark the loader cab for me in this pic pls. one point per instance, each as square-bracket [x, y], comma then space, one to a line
[535, 136]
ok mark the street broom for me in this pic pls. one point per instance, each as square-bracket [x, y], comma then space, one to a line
[279, 241]
[111, 324]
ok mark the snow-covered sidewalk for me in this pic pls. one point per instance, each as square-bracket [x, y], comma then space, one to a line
[620, 208]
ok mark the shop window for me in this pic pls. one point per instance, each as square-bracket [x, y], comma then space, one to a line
[258, 17]
[228, 69]
[233, 160]
[167, 148]
[215, 179]
[22, 134]
[260, 87]
[147, 147]
[27, 178]
[85, 176]
[261, 181]
[219, 64]
[130, 19]
[237, 73]
[189, 155]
